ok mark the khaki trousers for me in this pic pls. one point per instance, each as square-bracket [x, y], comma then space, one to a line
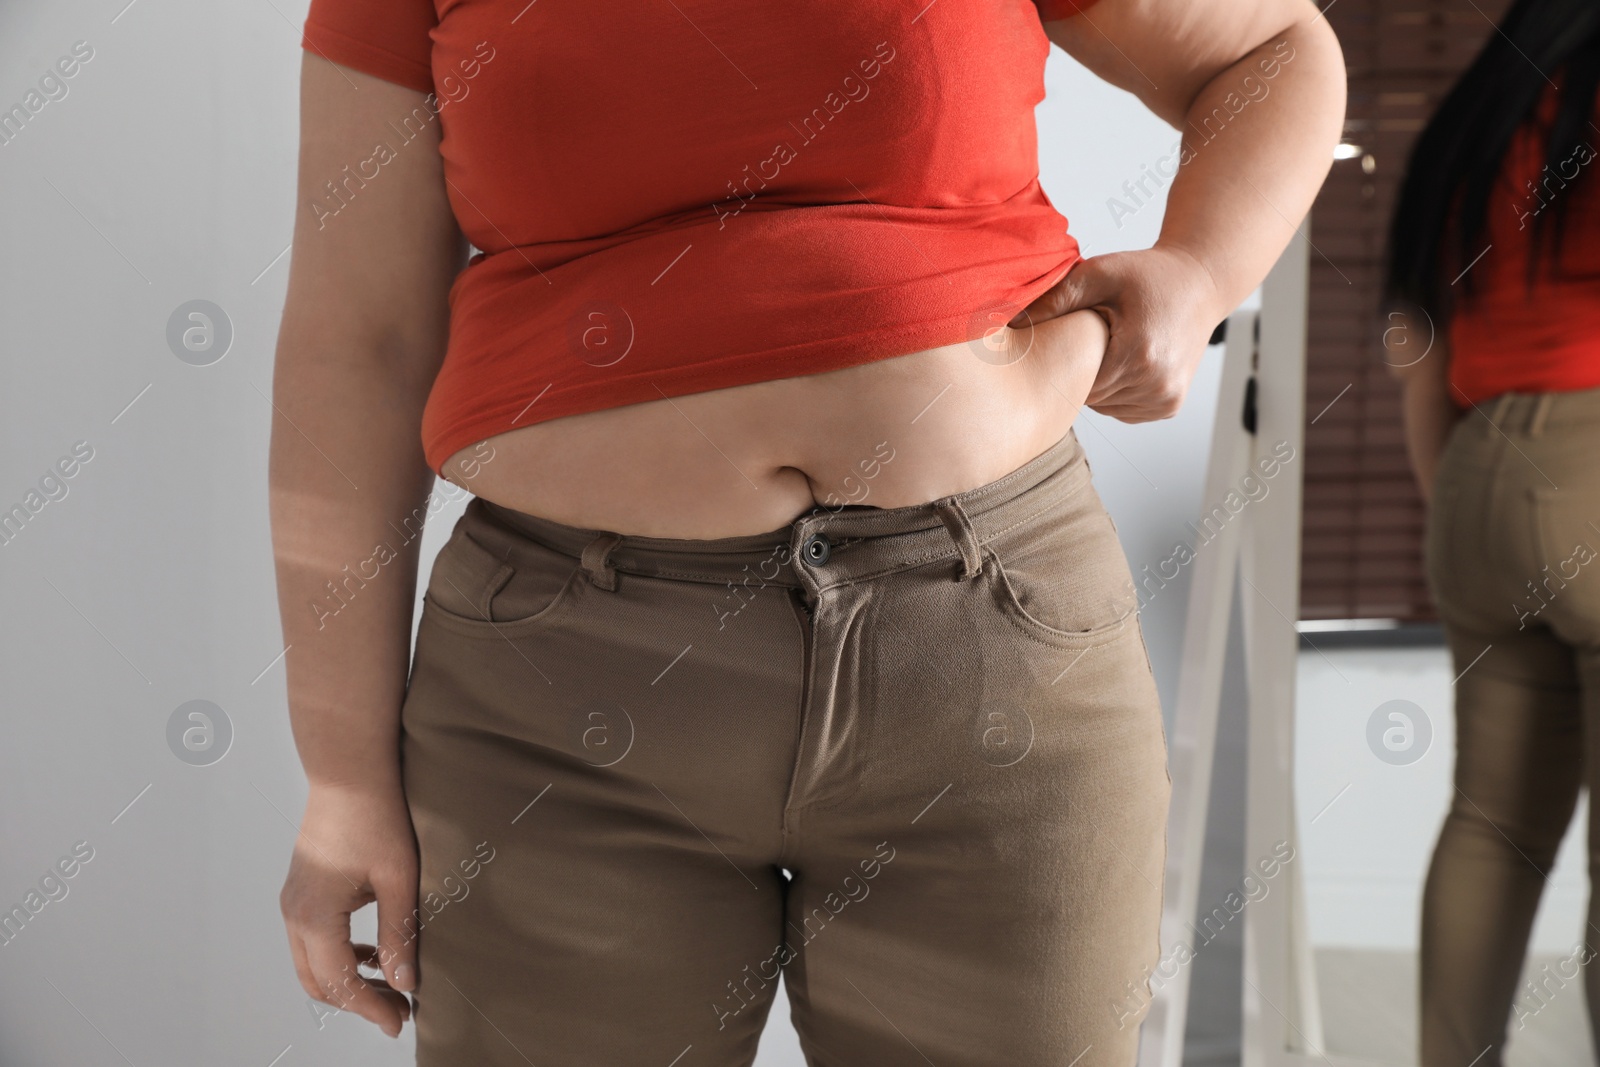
[1514, 564]
[910, 758]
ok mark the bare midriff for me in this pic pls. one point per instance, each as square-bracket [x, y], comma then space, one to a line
[752, 458]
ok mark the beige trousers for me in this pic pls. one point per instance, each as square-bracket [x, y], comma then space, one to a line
[910, 758]
[1514, 565]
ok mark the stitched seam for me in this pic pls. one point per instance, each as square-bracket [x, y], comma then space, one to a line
[1022, 522]
[1020, 472]
[936, 556]
[1046, 633]
[711, 579]
[696, 576]
[1091, 638]
[917, 561]
[789, 834]
[470, 627]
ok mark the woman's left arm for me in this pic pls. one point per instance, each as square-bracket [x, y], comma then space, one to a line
[1257, 88]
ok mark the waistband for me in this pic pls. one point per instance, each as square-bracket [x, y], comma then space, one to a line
[1532, 413]
[826, 547]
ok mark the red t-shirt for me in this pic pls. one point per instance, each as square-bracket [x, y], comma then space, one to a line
[1504, 339]
[673, 198]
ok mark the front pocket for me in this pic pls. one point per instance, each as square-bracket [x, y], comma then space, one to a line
[1063, 578]
[474, 591]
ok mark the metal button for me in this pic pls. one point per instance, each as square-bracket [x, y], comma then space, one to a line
[816, 550]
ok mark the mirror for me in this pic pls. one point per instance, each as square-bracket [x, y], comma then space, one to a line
[1376, 688]
[1374, 751]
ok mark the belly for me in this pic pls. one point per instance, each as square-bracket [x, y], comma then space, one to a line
[750, 459]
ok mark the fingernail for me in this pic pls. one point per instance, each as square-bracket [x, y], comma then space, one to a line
[402, 977]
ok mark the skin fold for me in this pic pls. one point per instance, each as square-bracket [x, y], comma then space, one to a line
[364, 331]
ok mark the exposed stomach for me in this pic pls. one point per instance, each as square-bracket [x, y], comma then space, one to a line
[751, 458]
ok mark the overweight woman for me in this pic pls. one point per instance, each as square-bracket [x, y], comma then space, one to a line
[1496, 236]
[784, 632]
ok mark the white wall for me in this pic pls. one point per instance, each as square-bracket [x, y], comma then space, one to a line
[165, 175]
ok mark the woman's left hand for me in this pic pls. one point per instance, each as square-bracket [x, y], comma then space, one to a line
[1161, 307]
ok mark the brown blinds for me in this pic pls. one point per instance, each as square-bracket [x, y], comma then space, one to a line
[1361, 554]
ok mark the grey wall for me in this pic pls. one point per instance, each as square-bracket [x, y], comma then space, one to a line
[166, 175]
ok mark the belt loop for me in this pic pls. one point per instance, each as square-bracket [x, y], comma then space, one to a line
[956, 521]
[1540, 410]
[1502, 408]
[596, 560]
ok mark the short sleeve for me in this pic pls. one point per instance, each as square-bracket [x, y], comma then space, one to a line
[388, 39]
[1060, 9]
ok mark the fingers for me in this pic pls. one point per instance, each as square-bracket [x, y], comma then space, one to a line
[1130, 395]
[373, 859]
[397, 941]
[1115, 386]
[1139, 382]
[1131, 415]
[1153, 303]
[302, 968]
[1091, 283]
[1136, 406]
[367, 956]
[334, 968]
[1140, 400]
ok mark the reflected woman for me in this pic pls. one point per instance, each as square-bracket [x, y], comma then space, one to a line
[1496, 238]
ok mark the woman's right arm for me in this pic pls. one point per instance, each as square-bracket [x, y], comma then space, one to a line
[1425, 404]
[363, 332]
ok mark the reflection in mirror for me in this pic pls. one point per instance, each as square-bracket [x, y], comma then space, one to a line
[1448, 673]
[1374, 752]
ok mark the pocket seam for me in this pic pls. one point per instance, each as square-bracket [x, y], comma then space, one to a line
[489, 627]
[470, 627]
[1543, 499]
[1019, 617]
